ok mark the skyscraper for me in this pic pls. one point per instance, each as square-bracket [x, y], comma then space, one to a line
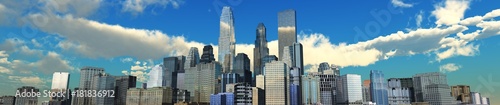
[475, 98]
[208, 54]
[27, 100]
[260, 51]
[398, 95]
[260, 82]
[86, 82]
[60, 81]
[192, 59]
[433, 88]
[202, 80]
[103, 82]
[378, 88]
[323, 66]
[287, 34]
[366, 91]
[155, 77]
[327, 88]
[276, 83]
[228, 78]
[242, 67]
[227, 41]
[297, 56]
[349, 89]
[310, 89]
[123, 83]
[461, 93]
[172, 66]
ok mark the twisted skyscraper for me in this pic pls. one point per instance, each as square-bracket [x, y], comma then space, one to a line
[226, 39]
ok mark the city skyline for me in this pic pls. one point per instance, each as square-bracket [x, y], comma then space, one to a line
[447, 44]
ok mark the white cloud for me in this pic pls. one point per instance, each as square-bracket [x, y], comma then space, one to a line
[472, 21]
[35, 43]
[5, 70]
[418, 18]
[3, 54]
[138, 6]
[450, 11]
[28, 80]
[450, 67]
[74, 7]
[400, 3]
[125, 60]
[492, 14]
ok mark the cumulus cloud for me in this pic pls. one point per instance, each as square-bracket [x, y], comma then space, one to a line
[139, 69]
[138, 6]
[28, 80]
[400, 3]
[450, 67]
[450, 12]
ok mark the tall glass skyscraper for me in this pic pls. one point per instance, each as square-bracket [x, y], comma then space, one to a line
[349, 89]
[378, 88]
[208, 54]
[287, 34]
[260, 51]
[227, 41]
[123, 83]
[60, 82]
[192, 59]
[172, 66]
[242, 67]
[86, 82]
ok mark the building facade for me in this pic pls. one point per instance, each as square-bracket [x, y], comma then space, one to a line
[150, 96]
[172, 66]
[227, 41]
[123, 83]
[349, 89]
[461, 93]
[202, 81]
[60, 81]
[475, 98]
[192, 58]
[103, 82]
[276, 83]
[398, 95]
[260, 50]
[228, 78]
[86, 82]
[366, 91]
[26, 100]
[156, 76]
[327, 88]
[310, 90]
[287, 34]
[421, 81]
[222, 99]
[378, 88]
[439, 94]
[242, 67]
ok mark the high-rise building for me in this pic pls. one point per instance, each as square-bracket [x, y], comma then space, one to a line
[60, 81]
[275, 83]
[27, 100]
[202, 81]
[268, 59]
[86, 81]
[258, 96]
[208, 54]
[323, 66]
[103, 82]
[242, 92]
[349, 89]
[421, 81]
[461, 93]
[156, 77]
[172, 66]
[123, 83]
[7, 100]
[287, 34]
[475, 98]
[327, 88]
[378, 88]
[310, 90]
[261, 50]
[228, 78]
[398, 95]
[222, 99]
[297, 56]
[242, 67]
[227, 39]
[439, 94]
[366, 91]
[485, 100]
[192, 58]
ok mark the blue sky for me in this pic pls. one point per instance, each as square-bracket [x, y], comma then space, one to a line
[400, 38]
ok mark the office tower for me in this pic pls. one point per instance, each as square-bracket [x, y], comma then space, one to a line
[461, 93]
[155, 77]
[181, 96]
[310, 89]
[287, 34]
[86, 82]
[421, 81]
[27, 100]
[398, 95]
[349, 89]
[228, 78]
[202, 81]
[327, 88]
[172, 66]
[275, 83]
[60, 81]
[192, 58]
[366, 91]
[475, 98]
[208, 54]
[103, 82]
[268, 59]
[242, 67]
[260, 82]
[227, 41]
[295, 84]
[180, 79]
[378, 87]
[242, 92]
[222, 99]
[123, 83]
[7, 100]
[294, 94]
[297, 56]
[261, 50]
[485, 101]
[258, 96]
[439, 94]
[323, 66]
[150, 96]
